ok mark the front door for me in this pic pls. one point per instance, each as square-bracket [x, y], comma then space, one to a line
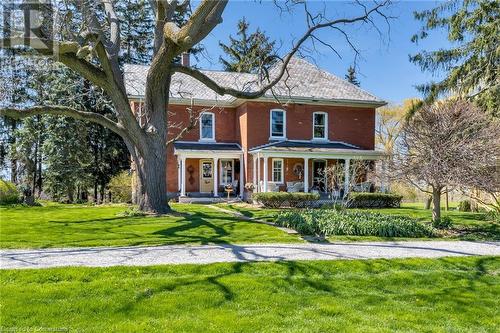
[319, 182]
[207, 176]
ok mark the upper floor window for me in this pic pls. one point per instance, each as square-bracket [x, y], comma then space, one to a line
[207, 126]
[278, 124]
[320, 125]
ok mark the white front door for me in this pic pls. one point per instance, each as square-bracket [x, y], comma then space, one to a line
[206, 176]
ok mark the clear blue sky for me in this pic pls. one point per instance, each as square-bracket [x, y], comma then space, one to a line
[384, 69]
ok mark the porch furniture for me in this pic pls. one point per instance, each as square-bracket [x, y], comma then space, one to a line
[229, 189]
[336, 193]
[362, 187]
[235, 184]
[296, 187]
[273, 187]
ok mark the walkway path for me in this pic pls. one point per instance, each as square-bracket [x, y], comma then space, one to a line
[203, 254]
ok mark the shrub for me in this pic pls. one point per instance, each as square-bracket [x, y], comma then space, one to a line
[120, 187]
[8, 193]
[444, 223]
[131, 212]
[493, 215]
[301, 199]
[281, 199]
[464, 206]
[374, 200]
[344, 222]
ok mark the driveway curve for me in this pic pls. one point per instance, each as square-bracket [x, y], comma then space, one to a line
[205, 254]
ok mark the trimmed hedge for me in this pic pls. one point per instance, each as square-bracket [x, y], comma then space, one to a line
[374, 200]
[281, 199]
[9, 193]
[327, 222]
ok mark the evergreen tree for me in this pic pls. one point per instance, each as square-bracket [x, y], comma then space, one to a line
[137, 24]
[351, 76]
[66, 159]
[14, 79]
[471, 65]
[249, 53]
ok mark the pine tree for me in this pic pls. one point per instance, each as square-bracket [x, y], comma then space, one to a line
[470, 66]
[137, 24]
[250, 53]
[351, 76]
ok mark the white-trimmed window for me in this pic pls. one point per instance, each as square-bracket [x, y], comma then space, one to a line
[278, 170]
[207, 126]
[320, 125]
[277, 124]
[226, 172]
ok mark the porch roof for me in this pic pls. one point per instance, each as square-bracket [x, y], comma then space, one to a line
[315, 149]
[207, 149]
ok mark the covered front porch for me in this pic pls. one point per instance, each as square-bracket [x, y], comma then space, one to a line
[300, 166]
[209, 170]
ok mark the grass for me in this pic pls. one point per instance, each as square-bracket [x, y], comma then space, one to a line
[410, 295]
[467, 225]
[57, 225]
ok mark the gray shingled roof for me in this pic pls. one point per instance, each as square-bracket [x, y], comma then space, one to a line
[303, 81]
[293, 145]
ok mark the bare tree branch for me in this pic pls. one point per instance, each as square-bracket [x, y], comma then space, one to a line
[205, 18]
[260, 92]
[56, 110]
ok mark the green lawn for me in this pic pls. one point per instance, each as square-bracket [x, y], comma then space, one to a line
[57, 225]
[467, 226]
[411, 295]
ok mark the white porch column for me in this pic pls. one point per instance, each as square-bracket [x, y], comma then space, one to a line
[346, 176]
[179, 175]
[259, 189]
[183, 176]
[306, 174]
[254, 160]
[265, 173]
[242, 175]
[216, 176]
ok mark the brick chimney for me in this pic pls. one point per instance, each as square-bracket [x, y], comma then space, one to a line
[185, 59]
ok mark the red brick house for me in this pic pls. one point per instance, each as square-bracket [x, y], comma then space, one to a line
[277, 142]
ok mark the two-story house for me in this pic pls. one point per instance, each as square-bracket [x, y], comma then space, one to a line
[277, 142]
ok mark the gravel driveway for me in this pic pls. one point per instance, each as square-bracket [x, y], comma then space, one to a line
[204, 254]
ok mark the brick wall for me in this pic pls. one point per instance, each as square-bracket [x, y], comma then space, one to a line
[248, 124]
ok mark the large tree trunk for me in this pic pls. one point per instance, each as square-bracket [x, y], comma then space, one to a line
[150, 159]
[151, 188]
[436, 204]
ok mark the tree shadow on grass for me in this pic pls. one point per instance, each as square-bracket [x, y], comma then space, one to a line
[319, 278]
[185, 230]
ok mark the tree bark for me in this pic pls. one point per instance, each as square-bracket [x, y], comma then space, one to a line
[447, 201]
[151, 181]
[428, 202]
[436, 204]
